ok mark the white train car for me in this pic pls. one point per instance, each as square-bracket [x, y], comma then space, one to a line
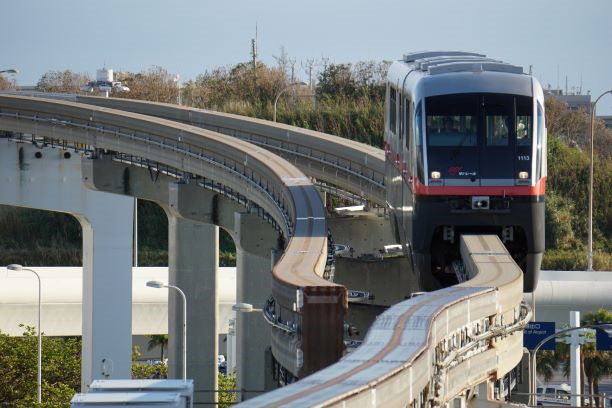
[465, 146]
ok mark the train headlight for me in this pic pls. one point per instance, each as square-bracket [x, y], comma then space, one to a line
[523, 175]
[435, 174]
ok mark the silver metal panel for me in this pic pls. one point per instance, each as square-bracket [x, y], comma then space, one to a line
[415, 56]
[427, 63]
[142, 399]
[497, 182]
[157, 385]
[476, 66]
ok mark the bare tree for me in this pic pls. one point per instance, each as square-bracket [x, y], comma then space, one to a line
[62, 81]
[156, 84]
[7, 84]
[283, 62]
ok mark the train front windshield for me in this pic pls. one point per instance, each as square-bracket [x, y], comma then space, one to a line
[484, 137]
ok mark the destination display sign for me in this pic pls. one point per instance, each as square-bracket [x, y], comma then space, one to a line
[535, 332]
[604, 339]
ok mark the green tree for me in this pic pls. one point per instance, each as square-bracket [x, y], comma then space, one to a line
[145, 371]
[158, 340]
[547, 364]
[227, 393]
[568, 172]
[61, 374]
[597, 364]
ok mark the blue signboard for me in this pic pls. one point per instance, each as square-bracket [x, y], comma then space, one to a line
[535, 332]
[604, 339]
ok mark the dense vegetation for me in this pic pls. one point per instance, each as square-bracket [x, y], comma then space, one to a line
[61, 371]
[347, 100]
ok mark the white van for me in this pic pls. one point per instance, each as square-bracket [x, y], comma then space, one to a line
[554, 394]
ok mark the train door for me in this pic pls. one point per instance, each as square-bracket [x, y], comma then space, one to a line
[497, 158]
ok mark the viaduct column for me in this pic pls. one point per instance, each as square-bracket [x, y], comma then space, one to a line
[255, 252]
[193, 259]
[51, 179]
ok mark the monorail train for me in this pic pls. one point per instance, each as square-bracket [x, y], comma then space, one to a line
[465, 144]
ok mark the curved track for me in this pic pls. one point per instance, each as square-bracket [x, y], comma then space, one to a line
[313, 306]
[353, 169]
[426, 349]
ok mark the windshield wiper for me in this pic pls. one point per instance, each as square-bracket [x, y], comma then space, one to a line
[456, 150]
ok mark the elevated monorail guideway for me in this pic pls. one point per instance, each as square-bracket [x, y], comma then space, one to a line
[348, 168]
[427, 350]
[307, 308]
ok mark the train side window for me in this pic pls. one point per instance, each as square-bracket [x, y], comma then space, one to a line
[393, 110]
[417, 122]
[407, 124]
[540, 141]
[400, 120]
[418, 136]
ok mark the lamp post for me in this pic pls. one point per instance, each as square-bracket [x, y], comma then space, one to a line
[532, 385]
[9, 71]
[242, 308]
[283, 91]
[159, 284]
[245, 308]
[590, 254]
[17, 267]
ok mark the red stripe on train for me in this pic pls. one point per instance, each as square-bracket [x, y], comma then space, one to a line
[538, 190]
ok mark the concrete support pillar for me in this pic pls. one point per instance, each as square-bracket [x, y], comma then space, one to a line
[193, 259]
[51, 179]
[107, 290]
[255, 244]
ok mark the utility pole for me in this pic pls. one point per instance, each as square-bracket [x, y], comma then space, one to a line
[308, 67]
[292, 63]
[254, 55]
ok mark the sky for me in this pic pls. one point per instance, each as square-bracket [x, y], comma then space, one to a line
[559, 39]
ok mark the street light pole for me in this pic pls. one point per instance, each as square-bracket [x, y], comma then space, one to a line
[17, 267]
[590, 251]
[283, 91]
[9, 71]
[532, 385]
[158, 284]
